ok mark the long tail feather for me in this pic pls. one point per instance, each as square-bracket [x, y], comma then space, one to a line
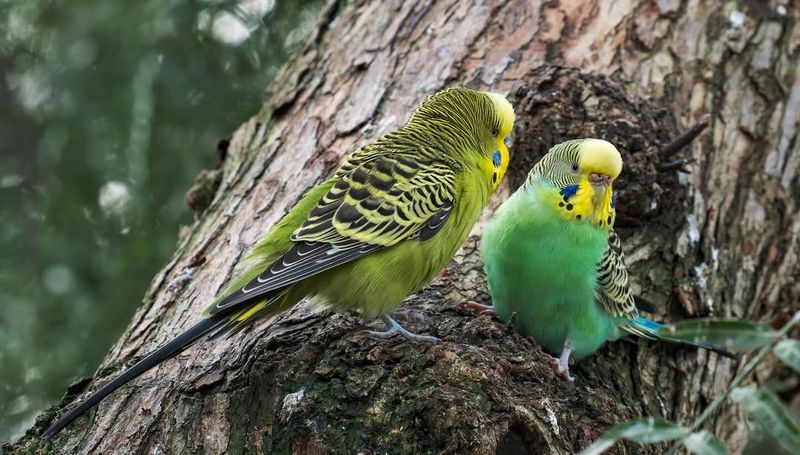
[646, 328]
[166, 351]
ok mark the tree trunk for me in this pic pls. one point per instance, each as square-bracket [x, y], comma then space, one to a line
[721, 241]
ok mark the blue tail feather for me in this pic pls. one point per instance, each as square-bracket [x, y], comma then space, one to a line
[647, 324]
[643, 327]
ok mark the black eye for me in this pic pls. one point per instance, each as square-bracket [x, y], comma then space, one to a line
[495, 132]
[574, 167]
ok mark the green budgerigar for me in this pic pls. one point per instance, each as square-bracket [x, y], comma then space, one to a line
[553, 258]
[388, 220]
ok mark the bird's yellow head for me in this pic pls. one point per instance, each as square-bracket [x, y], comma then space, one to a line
[474, 125]
[579, 174]
[505, 120]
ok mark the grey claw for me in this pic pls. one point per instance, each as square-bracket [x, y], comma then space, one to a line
[394, 328]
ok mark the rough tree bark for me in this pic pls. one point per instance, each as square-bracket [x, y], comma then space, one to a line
[720, 241]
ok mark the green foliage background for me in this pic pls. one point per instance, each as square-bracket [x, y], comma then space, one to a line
[122, 102]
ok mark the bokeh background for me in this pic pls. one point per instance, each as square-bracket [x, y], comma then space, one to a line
[108, 110]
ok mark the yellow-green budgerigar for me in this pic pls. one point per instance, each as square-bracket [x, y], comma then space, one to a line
[388, 220]
[553, 258]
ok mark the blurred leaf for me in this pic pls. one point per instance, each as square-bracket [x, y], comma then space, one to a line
[109, 110]
[765, 407]
[731, 335]
[704, 443]
[789, 353]
[643, 431]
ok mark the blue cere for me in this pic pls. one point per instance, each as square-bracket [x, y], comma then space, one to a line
[569, 191]
[497, 158]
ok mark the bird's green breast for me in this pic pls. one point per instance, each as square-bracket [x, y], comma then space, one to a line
[543, 267]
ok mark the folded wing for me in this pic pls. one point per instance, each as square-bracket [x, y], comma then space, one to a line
[614, 291]
[375, 204]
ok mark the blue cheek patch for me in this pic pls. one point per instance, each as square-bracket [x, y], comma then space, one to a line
[614, 201]
[569, 191]
[507, 139]
[497, 158]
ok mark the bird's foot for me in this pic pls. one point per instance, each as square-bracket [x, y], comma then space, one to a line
[394, 328]
[561, 364]
[561, 370]
[482, 310]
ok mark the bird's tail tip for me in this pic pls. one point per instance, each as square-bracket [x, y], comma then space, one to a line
[166, 351]
[650, 329]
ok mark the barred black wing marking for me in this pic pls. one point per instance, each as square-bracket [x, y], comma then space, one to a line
[382, 201]
[614, 291]
[435, 223]
[375, 204]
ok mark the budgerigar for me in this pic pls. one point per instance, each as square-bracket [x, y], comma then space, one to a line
[388, 220]
[553, 258]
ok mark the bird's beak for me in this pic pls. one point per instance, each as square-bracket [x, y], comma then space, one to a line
[599, 179]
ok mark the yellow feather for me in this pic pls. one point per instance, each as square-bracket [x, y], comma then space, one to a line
[507, 116]
[606, 215]
[246, 315]
[601, 157]
[506, 113]
[581, 206]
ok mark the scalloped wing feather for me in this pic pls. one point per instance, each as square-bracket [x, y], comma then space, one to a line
[378, 201]
[614, 291]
